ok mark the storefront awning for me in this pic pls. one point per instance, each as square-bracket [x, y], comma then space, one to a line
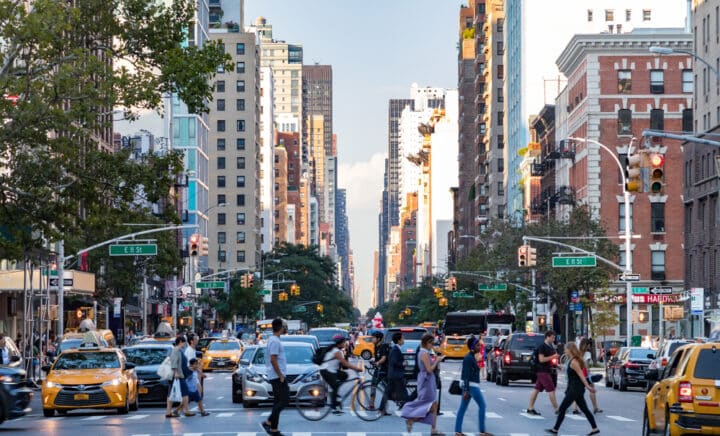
[76, 282]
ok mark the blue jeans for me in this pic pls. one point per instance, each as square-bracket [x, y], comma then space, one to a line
[476, 395]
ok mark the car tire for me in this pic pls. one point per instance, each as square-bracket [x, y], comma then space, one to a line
[614, 385]
[136, 404]
[504, 379]
[623, 384]
[247, 404]
[236, 397]
[608, 382]
[48, 413]
[124, 410]
[646, 431]
[366, 354]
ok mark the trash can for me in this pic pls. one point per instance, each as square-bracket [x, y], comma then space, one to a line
[635, 341]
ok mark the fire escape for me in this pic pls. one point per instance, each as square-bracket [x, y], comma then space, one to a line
[552, 196]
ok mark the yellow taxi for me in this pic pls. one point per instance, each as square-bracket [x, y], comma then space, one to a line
[89, 377]
[454, 347]
[222, 354]
[686, 398]
[364, 347]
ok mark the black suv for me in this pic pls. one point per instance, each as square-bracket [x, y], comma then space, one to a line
[513, 361]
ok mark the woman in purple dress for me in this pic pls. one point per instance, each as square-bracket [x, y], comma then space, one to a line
[425, 408]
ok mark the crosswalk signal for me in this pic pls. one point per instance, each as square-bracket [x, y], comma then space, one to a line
[453, 283]
[193, 244]
[204, 246]
[632, 172]
[523, 255]
[532, 256]
[657, 173]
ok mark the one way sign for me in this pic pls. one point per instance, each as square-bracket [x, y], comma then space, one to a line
[661, 290]
[66, 282]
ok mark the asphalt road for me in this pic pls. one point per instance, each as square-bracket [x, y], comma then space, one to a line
[505, 416]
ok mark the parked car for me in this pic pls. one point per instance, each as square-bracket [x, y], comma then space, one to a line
[629, 369]
[147, 358]
[685, 399]
[307, 339]
[662, 356]
[15, 396]
[250, 385]
[610, 348]
[325, 335]
[610, 366]
[513, 363]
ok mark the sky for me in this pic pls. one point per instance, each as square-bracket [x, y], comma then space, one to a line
[377, 49]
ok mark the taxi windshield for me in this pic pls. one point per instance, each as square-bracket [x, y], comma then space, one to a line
[87, 360]
[223, 346]
[146, 356]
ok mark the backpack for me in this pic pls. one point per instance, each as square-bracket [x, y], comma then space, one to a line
[535, 360]
[319, 356]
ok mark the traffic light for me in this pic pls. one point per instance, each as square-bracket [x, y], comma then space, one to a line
[193, 244]
[447, 284]
[249, 280]
[657, 172]
[643, 316]
[523, 255]
[408, 312]
[283, 296]
[438, 292]
[632, 172]
[443, 302]
[204, 246]
[319, 308]
[294, 290]
[244, 281]
[532, 256]
[453, 283]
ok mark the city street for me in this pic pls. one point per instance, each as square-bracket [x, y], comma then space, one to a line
[622, 415]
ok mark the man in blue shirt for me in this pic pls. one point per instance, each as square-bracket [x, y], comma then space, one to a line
[276, 366]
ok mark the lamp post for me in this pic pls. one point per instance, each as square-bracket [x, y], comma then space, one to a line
[628, 234]
[667, 50]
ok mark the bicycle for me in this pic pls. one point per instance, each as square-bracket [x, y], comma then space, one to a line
[313, 401]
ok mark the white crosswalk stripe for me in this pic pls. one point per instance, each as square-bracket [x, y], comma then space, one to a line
[620, 418]
[529, 416]
[225, 414]
[576, 417]
[492, 415]
[93, 418]
[137, 417]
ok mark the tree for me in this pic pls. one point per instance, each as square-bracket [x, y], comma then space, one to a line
[604, 316]
[67, 66]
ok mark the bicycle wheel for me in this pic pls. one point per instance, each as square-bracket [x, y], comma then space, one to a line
[312, 402]
[366, 401]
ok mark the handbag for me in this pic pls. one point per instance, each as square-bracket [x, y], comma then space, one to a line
[175, 392]
[455, 388]
[165, 371]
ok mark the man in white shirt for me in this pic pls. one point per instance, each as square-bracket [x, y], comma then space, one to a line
[276, 367]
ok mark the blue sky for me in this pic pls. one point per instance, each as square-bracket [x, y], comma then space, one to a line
[377, 49]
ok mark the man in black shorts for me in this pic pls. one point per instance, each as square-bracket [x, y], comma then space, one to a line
[544, 382]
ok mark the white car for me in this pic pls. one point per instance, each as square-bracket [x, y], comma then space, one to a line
[251, 387]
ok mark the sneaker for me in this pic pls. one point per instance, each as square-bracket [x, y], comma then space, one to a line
[204, 413]
[337, 411]
[532, 412]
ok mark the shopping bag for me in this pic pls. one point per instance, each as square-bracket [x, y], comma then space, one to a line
[175, 392]
[164, 370]
[455, 388]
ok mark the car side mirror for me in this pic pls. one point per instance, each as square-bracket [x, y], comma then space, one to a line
[651, 374]
[244, 362]
[15, 358]
[45, 368]
[129, 365]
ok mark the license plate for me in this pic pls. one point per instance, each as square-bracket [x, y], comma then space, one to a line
[221, 364]
[143, 390]
[456, 348]
[80, 397]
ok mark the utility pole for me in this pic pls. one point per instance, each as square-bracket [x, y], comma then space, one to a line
[534, 300]
[174, 303]
[61, 287]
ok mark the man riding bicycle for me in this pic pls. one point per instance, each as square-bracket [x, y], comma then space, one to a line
[332, 372]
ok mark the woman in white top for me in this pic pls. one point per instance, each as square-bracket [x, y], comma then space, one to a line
[331, 371]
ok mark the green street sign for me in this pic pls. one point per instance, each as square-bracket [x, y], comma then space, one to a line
[573, 261]
[186, 305]
[264, 292]
[639, 291]
[299, 309]
[461, 295]
[210, 285]
[493, 287]
[133, 250]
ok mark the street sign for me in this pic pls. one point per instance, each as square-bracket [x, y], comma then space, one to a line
[575, 307]
[299, 309]
[462, 295]
[573, 261]
[629, 277]
[210, 285]
[639, 291]
[133, 250]
[186, 305]
[656, 298]
[661, 290]
[574, 296]
[493, 287]
[66, 282]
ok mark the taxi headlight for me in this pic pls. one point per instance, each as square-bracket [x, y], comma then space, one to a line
[113, 382]
[51, 384]
[235, 358]
[206, 357]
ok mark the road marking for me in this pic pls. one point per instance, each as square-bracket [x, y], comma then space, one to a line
[492, 415]
[220, 398]
[501, 399]
[136, 417]
[519, 434]
[448, 414]
[265, 414]
[355, 434]
[209, 377]
[225, 414]
[92, 418]
[247, 433]
[575, 417]
[57, 418]
[620, 418]
[529, 416]
[295, 433]
[228, 378]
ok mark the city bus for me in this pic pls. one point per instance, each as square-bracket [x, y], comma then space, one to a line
[476, 322]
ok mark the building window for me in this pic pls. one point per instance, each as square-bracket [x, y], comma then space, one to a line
[220, 69]
[240, 219]
[609, 14]
[221, 144]
[220, 104]
[240, 181]
[222, 238]
[500, 165]
[500, 97]
[657, 119]
[500, 48]
[221, 199]
[500, 117]
[221, 181]
[500, 142]
[624, 122]
[221, 163]
[500, 25]
[222, 256]
[657, 217]
[240, 48]
[240, 125]
[240, 237]
[500, 71]
[621, 217]
[624, 82]
[220, 86]
[687, 81]
[221, 219]
[647, 14]
[240, 104]
[220, 125]
[500, 189]
[240, 143]
[589, 15]
[628, 14]
[657, 266]
[240, 199]
[482, 128]
[240, 67]
[240, 256]
[240, 86]
[657, 81]
[240, 163]
[687, 120]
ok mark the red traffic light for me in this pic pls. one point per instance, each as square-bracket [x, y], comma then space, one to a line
[657, 160]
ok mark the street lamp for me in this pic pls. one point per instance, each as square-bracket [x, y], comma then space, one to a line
[667, 50]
